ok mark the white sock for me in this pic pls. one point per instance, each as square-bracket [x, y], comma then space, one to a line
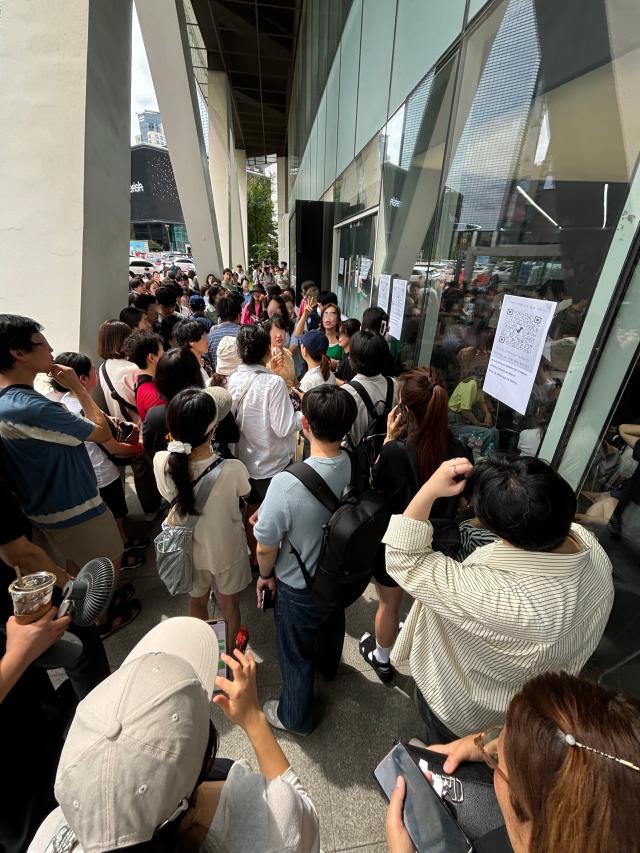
[382, 654]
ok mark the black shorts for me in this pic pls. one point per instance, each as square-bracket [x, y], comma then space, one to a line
[380, 573]
[258, 491]
[113, 496]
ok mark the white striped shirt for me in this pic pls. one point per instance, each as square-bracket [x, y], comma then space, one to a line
[480, 629]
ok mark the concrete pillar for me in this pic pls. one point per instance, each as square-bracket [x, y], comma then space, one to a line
[65, 165]
[238, 253]
[283, 218]
[219, 101]
[164, 33]
[241, 176]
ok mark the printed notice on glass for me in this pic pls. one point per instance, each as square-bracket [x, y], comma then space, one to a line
[341, 266]
[384, 285]
[522, 331]
[365, 266]
[396, 312]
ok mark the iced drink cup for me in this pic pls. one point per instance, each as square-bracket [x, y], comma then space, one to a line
[32, 596]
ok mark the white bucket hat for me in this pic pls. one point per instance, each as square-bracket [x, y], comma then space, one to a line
[137, 743]
[227, 358]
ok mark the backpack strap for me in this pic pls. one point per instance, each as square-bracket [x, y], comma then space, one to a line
[314, 483]
[364, 396]
[388, 403]
[143, 378]
[120, 400]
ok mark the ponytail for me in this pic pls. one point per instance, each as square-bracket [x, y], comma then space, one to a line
[426, 398]
[325, 367]
[178, 470]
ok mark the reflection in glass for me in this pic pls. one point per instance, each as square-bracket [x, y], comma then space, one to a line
[539, 154]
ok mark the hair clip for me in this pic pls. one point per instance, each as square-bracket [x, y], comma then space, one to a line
[570, 740]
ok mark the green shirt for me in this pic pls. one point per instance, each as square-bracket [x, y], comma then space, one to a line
[465, 396]
[335, 351]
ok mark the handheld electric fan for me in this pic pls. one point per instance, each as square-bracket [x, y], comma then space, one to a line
[86, 597]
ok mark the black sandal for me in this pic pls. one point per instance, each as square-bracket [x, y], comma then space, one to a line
[122, 596]
[125, 614]
[140, 544]
[132, 561]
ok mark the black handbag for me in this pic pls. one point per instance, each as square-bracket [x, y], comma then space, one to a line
[469, 795]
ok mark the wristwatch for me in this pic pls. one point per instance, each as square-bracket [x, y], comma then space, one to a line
[267, 577]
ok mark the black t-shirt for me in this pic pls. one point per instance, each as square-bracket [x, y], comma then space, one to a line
[155, 429]
[395, 475]
[345, 370]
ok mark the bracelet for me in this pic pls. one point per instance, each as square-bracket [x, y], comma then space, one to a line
[267, 577]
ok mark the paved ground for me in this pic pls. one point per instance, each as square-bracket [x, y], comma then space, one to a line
[361, 717]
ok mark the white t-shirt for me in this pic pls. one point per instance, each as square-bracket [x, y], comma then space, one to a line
[253, 813]
[376, 388]
[529, 441]
[106, 472]
[123, 375]
[314, 377]
[219, 540]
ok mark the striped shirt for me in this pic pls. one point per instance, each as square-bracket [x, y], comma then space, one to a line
[47, 462]
[480, 629]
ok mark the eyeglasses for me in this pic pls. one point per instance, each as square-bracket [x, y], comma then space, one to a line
[489, 738]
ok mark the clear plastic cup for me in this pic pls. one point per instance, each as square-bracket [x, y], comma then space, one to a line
[32, 596]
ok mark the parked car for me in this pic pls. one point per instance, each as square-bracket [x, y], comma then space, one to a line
[184, 263]
[140, 266]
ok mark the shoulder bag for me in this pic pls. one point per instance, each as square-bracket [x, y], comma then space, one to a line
[174, 543]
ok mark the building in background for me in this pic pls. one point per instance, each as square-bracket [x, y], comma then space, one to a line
[156, 212]
[151, 130]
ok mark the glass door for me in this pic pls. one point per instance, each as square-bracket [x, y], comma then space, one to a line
[353, 272]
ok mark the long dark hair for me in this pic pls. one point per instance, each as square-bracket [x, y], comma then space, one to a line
[189, 418]
[576, 801]
[424, 393]
[284, 311]
[176, 370]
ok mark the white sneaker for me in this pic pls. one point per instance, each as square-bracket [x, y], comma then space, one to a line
[151, 516]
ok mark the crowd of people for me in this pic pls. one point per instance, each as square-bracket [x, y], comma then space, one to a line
[220, 385]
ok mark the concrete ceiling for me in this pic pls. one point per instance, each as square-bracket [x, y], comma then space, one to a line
[254, 43]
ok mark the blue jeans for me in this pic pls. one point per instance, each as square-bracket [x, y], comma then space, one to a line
[489, 435]
[310, 639]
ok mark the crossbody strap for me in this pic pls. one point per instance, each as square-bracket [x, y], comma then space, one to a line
[207, 481]
[116, 396]
[388, 403]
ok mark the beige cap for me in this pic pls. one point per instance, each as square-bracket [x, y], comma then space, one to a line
[227, 358]
[137, 743]
[222, 400]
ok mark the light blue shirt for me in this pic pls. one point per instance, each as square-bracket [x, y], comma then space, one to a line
[290, 514]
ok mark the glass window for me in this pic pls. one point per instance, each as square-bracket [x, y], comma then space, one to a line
[542, 145]
[422, 34]
[378, 21]
[349, 69]
[356, 248]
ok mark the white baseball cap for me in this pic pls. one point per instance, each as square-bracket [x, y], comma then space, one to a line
[227, 358]
[137, 743]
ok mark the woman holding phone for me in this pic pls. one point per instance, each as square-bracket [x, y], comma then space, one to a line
[566, 769]
[418, 441]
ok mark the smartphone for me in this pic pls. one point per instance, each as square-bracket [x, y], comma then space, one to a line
[402, 411]
[266, 600]
[66, 608]
[219, 628]
[431, 827]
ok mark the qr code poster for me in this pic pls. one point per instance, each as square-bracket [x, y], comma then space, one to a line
[522, 330]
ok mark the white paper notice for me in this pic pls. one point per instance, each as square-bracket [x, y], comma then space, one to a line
[341, 266]
[396, 312]
[384, 284]
[365, 266]
[520, 337]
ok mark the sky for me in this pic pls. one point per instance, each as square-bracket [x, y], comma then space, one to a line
[143, 96]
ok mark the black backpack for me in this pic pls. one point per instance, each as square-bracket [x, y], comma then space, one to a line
[368, 448]
[351, 539]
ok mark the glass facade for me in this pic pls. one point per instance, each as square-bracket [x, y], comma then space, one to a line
[506, 171]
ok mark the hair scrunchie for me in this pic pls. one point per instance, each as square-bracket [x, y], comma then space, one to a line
[179, 447]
